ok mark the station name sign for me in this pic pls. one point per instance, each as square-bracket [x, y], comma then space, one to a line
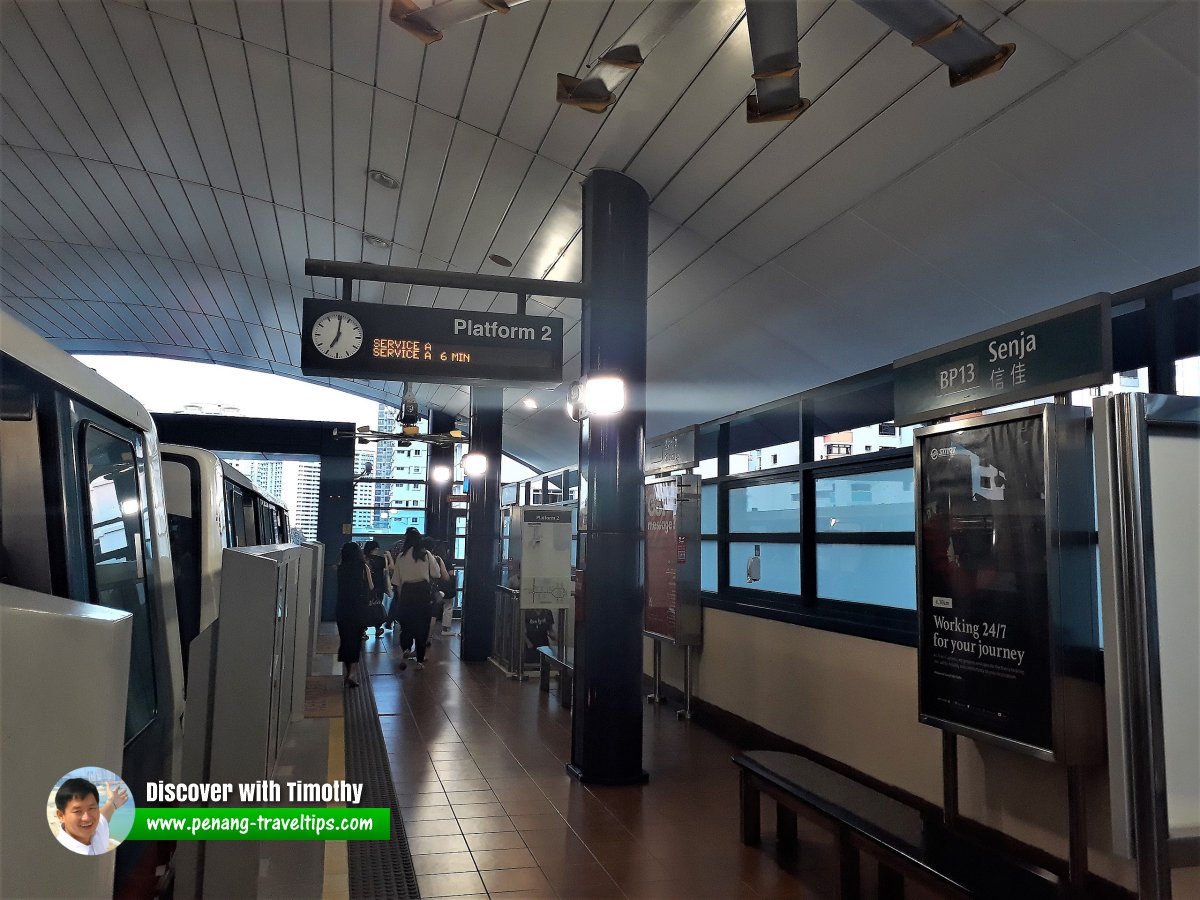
[671, 452]
[1061, 350]
[401, 343]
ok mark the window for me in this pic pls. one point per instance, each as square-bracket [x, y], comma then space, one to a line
[117, 563]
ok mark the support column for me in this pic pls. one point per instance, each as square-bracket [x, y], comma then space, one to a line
[438, 519]
[483, 526]
[606, 732]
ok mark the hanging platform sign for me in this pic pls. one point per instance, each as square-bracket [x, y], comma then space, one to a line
[1060, 350]
[416, 343]
[1008, 645]
[671, 452]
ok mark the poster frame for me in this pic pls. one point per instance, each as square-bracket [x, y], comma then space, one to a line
[1075, 681]
[689, 612]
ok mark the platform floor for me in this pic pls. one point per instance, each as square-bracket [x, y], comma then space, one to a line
[478, 760]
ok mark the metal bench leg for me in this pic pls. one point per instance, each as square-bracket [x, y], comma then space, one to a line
[785, 829]
[891, 883]
[847, 866]
[544, 673]
[750, 811]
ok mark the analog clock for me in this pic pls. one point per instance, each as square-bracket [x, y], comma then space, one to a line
[337, 334]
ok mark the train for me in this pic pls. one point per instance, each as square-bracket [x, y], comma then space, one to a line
[93, 509]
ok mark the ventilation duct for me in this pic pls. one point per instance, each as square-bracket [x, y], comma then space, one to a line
[426, 24]
[773, 43]
[595, 91]
[965, 50]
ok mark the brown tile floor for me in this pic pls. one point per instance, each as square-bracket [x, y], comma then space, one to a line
[478, 762]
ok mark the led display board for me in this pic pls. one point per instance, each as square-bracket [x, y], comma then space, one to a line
[1066, 348]
[403, 343]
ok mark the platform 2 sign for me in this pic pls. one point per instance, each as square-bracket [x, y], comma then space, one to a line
[1061, 350]
[401, 343]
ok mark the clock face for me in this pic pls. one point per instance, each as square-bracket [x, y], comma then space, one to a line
[338, 335]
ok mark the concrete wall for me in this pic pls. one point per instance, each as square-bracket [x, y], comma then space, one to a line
[855, 700]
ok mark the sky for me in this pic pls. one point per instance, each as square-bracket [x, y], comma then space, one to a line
[166, 385]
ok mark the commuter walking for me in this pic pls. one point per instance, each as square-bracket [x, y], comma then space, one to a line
[353, 594]
[380, 564]
[416, 571]
[441, 588]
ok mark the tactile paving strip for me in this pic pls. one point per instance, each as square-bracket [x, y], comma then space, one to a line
[377, 868]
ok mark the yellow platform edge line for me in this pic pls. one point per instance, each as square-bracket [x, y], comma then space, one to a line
[336, 880]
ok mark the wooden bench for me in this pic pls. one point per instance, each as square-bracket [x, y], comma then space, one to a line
[905, 843]
[547, 660]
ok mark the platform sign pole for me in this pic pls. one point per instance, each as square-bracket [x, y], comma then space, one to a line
[483, 526]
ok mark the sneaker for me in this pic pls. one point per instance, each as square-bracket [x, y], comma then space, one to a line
[420, 666]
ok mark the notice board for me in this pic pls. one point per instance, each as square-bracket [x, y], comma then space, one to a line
[672, 608]
[1006, 590]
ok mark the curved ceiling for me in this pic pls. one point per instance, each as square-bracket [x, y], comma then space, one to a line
[168, 166]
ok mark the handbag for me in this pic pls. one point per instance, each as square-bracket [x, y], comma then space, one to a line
[375, 614]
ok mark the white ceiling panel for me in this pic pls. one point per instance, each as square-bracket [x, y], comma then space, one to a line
[293, 238]
[12, 131]
[668, 72]
[218, 15]
[168, 209]
[541, 187]
[262, 23]
[503, 49]
[105, 273]
[423, 294]
[430, 144]
[1175, 30]
[215, 280]
[25, 188]
[95, 33]
[19, 208]
[196, 283]
[37, 256]
[193, 81]
[39, 72]
[89, 193]
[1061, 140]
[562, 43]
[352, 107]
[139, 41]
[114, 191]
[231, 80]
[51, 28]
[708, 276]
[271, 84]
[208, 214]
[138, 292]
[1078, 29]
[506, 171]
[177, 295]
[397, 294]
[355, 38]
[46, 174]
[312, 90]
[469, 152]
[307, 26]
[401, 56]
[266, 237]
[448, 67]
[391, 130]
[887, 146]
[562, 222]
[22, 100]
[176, 9]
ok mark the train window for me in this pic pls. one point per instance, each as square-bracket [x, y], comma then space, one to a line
[118, 567]
[181, 476]
[234, 523]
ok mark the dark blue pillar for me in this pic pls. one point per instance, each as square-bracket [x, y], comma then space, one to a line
[606, 732]
[483, 526]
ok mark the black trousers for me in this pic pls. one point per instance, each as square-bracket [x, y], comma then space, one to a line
[413, 615]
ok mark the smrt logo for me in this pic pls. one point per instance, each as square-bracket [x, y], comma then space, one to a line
[942, 452]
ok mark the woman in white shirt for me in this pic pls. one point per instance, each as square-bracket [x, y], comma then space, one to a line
[415, 571]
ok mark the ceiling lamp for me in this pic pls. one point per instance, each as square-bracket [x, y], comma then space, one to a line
[934, 28]
[594, 93]
[383, 179]
[427, 23]
[773, 49]
[375, 240]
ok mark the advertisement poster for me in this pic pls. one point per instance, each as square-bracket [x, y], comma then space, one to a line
[662, 558]
[985, 643]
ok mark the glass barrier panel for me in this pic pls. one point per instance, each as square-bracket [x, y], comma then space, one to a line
[771, 507]
[708, 566]
[871, 501]
[881, 574]
[765, 567]
[708, 509]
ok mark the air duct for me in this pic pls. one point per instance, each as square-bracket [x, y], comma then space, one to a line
[773, 48]
[934, 28]
[426, 24]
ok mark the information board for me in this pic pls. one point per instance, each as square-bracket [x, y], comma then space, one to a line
[1008, 645]
[670, 452]
[1066, 348]
[672, 609]
[540, 539]
[379, 341]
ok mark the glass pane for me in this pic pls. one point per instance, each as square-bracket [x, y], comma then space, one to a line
[885, 575]
[766, 458]
[708, 509]
[115, 514]
[388, 521]
[1122, 383]
[1187, 376]
[765, 507]
[875, 501]
[868, 439]
[708, 566]
[707, 468]
[764, 567]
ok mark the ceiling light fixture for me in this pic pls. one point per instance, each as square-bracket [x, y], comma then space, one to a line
[500, 260]
[383, 179]
[376, 241]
